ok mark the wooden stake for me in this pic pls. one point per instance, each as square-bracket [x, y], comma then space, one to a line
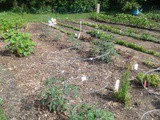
[98, 8]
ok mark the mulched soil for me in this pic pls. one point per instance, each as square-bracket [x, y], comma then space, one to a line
[22, 78]
[146, 44]
[122, 27]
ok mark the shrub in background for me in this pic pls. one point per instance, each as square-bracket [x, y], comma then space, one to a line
[81, 6]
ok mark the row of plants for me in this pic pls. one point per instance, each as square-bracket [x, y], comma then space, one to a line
[127, 19]
[63, 98]
[104, 48]
[18, 43]
[101, 35]
[153, 16]
[129, 32]
[69, 26]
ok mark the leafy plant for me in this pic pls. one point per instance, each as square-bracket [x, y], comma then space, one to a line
[57, 94]
[68, 26]
[87, 112]
[123, 94]
[8, 24]
[18, 43]
[129, 32]
[153, 79]
[105, 47]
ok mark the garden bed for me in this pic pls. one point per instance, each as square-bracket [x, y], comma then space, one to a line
[55, 56]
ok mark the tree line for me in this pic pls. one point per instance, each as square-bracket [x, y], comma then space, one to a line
[74, 6]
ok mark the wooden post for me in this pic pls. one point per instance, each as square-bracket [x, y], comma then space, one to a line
[98, 8]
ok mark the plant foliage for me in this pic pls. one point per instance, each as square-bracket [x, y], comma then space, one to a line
[18, 43]
[123, 94]
[153, 79]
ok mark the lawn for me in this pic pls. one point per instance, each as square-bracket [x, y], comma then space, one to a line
[44, 17]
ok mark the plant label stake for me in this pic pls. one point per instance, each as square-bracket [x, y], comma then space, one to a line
[80, 29]
[116, 87]
[83, 78]
[98, 8]
[135, 66]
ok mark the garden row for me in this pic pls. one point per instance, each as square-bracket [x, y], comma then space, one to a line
[56, 96]
[153, 16]
[129, 32]
[101, 34]
[105, 49]
[127, 19]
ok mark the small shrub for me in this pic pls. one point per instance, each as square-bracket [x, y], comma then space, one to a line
[105, 47]
[18, 43]
[54, 97]
[87, 112]
[123, 94]
[153, 79]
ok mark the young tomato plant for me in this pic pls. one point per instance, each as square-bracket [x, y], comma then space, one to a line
[87, 112]
[56, 95]
[105, 47]
[18, 43]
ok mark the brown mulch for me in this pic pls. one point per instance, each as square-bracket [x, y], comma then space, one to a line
[53, 58]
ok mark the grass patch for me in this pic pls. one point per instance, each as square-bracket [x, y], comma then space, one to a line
[44, 17]
[2, 116]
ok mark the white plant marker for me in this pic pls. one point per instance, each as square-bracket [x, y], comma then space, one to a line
[135, 66]
[80, 29]
[76, 35]
[83, 78]
[62, 71]
[116, 87]
[91, 58]
[98, 8]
